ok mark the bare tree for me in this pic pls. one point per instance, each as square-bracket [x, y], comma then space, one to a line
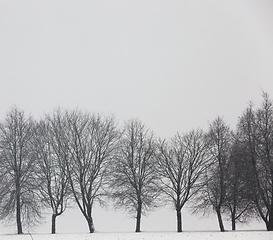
[51, 162]
[17, 172]
[237, 204]
[134, 180]
[214, 193]
[257, 134]
[91, 141]
[265, 159]
[181, 164]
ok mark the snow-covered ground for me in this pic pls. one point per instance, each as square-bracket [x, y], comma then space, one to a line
[238, 235]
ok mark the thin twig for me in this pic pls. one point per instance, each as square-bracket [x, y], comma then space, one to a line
[30, 235]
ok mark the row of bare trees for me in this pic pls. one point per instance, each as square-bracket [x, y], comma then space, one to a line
[239, 182]
[74, 157]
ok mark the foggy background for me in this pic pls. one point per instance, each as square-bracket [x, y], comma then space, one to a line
[174, 64]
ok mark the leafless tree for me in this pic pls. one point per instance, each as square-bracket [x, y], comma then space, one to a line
[237, 204]
[91, 141]
[51, 164]
[257, 134]
[134, 181]
[181, 164]
[17, 172]
[265, 158]
[214, 193]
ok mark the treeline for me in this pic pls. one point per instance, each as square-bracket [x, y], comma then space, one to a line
[78, 158]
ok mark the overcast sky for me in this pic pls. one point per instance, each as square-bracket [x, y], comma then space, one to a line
[174, 64]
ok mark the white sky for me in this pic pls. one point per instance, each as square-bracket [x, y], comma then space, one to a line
[175, 64]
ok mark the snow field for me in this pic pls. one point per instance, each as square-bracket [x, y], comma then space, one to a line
[238, 235]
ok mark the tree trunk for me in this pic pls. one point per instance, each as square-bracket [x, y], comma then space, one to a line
[233, 221]
[138, 217]
[179, 220]
[18, 216]
[18, 211]
[220, 220]
[90, 225]
[269, 224]
[53, 224]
